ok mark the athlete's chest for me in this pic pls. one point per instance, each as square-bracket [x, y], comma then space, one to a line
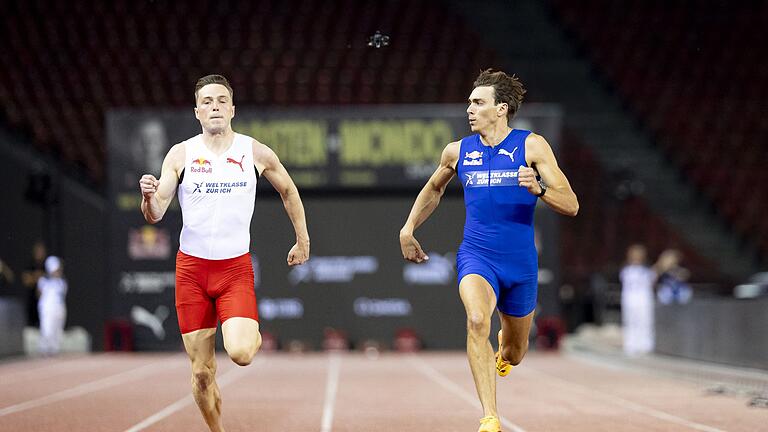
[487, 166]
[231, 173]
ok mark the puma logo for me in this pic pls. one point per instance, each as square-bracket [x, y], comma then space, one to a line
[240, 164]
[154, 321]
[506, 153]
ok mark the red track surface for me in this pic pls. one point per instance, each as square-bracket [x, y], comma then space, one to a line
[350, 392]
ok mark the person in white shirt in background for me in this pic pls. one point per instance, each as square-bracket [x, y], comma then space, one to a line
[52, 290]
[637, 300]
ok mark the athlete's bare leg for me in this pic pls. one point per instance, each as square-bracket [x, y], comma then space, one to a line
[200, 346]
[241, 339]
[514, 333]
[479, 302]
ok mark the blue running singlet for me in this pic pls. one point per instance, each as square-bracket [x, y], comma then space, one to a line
[498, 232]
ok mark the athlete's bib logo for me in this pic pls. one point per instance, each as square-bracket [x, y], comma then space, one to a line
[506, 153]
[473, 158]
[470, 179]
[201, 166]
[240, 164]
[491, 178]
[197, 187]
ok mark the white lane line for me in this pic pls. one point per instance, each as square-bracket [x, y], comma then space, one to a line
[331, 387]
[90, 387]
[231, 375]
[624, 403]
[454, 388]
[52, 369]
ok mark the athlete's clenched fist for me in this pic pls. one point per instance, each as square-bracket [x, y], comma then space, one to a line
[299, 253]
[148, 185]
[526, 177]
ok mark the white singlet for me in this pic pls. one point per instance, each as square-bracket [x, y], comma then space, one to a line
[217, 195]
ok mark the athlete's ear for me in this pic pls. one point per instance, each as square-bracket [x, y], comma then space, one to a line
[502, 109]
[196, 116]
[233, 110]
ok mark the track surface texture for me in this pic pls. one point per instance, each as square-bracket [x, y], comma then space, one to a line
[391, 392]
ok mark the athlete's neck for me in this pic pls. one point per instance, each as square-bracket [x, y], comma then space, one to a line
[218, 143]
[495, 134]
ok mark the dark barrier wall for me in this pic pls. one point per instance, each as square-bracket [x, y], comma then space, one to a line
[356, 279]
[83, 242]
[705, 329]
[22, 222]
[73, 226]
[11, 326]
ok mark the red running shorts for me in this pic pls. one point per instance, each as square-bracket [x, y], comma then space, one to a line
[207, 290]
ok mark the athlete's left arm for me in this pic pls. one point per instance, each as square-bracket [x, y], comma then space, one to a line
[269, 166]
[559, 195]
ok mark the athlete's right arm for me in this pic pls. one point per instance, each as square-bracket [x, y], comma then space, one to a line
[157, 194]
[427, 202]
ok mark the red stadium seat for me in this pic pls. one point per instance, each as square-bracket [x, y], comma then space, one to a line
[673, 80]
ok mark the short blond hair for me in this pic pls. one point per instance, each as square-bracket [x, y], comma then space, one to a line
[213, 79]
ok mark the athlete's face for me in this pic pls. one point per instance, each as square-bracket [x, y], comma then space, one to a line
[214, 108]
[483, 113]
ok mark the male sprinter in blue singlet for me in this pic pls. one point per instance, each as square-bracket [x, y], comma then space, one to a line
[497, 261]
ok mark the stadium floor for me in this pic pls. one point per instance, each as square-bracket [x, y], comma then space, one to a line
[353, 392]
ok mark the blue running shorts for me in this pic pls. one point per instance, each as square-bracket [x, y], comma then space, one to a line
[514, 277]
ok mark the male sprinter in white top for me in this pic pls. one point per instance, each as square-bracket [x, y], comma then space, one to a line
[216, 174]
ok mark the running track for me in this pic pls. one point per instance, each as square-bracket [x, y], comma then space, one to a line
[351, 392]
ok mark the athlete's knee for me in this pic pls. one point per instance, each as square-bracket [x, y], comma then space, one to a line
[514, 353]
[203, 377]
[478, 323]
[243, 354]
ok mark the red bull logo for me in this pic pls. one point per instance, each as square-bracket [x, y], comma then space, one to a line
[203, 166]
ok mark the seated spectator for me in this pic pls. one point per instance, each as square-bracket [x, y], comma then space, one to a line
[672, 287]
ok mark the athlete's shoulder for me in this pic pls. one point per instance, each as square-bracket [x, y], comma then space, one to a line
[244, 138]
[178, 148]
[177, 154]
[535, 139]
[263, 156]
[451, 153]
[535, 144]
[453, 146]
[259, 147]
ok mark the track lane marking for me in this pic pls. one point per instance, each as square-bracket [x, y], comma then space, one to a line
[454, 388]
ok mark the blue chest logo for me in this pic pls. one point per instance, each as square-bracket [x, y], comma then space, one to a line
[503, 177]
